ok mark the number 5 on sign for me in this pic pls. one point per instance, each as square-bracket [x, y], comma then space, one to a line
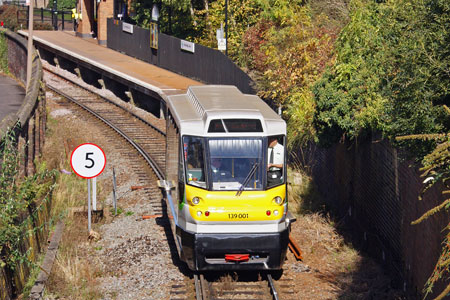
[88, 160]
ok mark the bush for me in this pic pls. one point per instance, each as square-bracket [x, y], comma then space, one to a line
[390, 73]
[8, 14]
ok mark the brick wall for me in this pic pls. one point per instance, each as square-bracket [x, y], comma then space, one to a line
[105, 11]
[377, 194]
[84, 27]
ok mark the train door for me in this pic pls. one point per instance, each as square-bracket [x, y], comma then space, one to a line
[181, 179]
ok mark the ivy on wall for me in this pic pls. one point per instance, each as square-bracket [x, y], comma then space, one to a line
[3, 54]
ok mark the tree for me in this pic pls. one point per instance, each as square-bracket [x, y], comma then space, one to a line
[390, 73]
[287, 51]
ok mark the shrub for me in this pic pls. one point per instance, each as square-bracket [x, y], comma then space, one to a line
[19, 203]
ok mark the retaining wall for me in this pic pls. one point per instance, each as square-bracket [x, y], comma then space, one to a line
[376, 192]
[31, 118]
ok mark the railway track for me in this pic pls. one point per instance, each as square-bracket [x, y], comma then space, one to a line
[217, 286]
[262, 288]
[149, 141]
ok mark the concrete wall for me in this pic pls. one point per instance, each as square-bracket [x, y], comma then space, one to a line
[376, 193]
[30, 140]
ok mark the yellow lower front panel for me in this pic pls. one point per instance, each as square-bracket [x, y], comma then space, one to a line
[220, 206]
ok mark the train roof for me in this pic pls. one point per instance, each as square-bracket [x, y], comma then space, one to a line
[194, 110]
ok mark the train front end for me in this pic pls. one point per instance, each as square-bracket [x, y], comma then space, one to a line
[231, 206]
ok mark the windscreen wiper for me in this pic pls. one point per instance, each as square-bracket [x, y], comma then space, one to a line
[247, 179]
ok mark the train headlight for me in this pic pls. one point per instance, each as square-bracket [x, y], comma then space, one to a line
[278, 200]
[196, 200]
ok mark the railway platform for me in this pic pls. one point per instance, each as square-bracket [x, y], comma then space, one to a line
[115, 64]
[12, 95]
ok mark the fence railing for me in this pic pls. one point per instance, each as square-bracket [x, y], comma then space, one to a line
[28, 124]
[56, 19]
[202, 63]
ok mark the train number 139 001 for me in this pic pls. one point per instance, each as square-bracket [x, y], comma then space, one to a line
[237, 216]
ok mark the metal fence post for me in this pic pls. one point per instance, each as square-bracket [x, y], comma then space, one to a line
[114, 192]
[42, 15]
[62, 17]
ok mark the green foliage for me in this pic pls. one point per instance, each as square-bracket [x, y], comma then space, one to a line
[241, 15]
[18, 204]
[3, 54]
[194, 21]
[390, 72]
[64, 4]
[175, 16]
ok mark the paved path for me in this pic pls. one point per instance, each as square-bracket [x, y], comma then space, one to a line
[11, 96]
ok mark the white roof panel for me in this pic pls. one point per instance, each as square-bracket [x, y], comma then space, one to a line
[193, 110]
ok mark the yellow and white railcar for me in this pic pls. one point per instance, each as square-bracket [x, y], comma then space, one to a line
[229, 208]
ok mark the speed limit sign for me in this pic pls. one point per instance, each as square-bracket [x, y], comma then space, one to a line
[88, 160]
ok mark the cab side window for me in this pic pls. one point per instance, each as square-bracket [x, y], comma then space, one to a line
[275, 161]
[193, 151]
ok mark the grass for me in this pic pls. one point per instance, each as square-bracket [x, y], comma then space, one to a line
[72, 277]
[304, 197]
[48, 15]
[34, 272]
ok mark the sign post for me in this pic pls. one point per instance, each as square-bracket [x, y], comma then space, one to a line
[89, 205]
[88, 161]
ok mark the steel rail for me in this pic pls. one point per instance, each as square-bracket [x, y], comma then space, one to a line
[198, 288]
[106, 99]
[272, 287]
[205, 289]
[144, 154]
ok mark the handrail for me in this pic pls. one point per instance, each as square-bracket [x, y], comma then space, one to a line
[32, 93]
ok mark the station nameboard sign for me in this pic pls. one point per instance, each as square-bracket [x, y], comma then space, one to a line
[127, 27]
[187, 46]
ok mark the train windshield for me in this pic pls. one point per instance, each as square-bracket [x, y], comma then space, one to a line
[235, 163]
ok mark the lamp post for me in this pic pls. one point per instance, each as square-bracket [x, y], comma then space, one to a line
[30, 42]
[55, 14]
[226, 27]
[155, 13]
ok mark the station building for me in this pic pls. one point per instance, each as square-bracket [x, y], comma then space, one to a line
[91, 17]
